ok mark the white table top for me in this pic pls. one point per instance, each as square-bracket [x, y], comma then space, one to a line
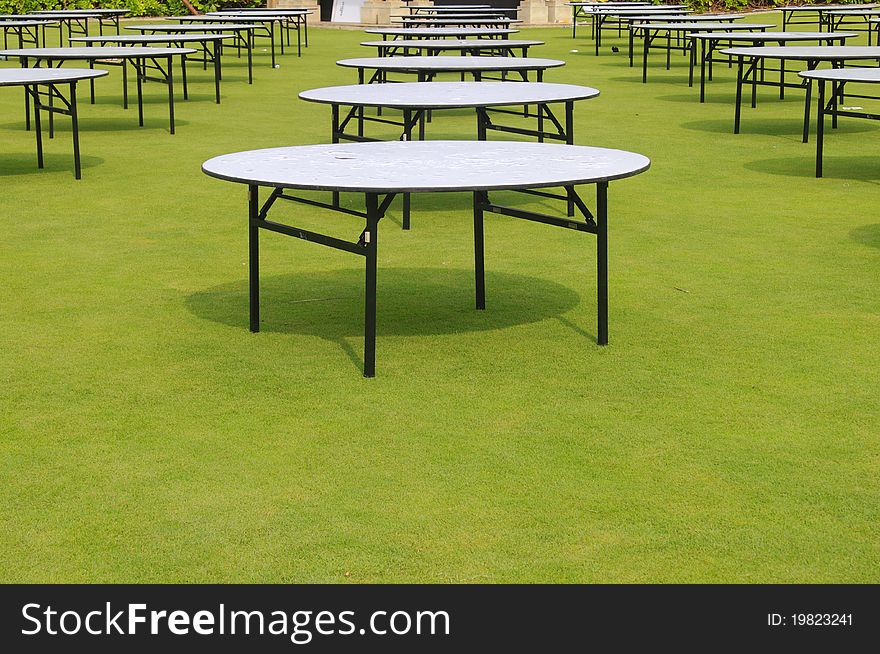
[168, 27]
[451, 64]
[152, 38]
[264, 12]
[96, 52]
[853, 12]
[426, 166]
[865, 75]
[809, 53]
[25, 23]
[440, 32]
[706, 27]
[453, 44]
[826, 7]
[106, 12]
[23, 76]
[448, 95]
[698, 18]
[773, 36]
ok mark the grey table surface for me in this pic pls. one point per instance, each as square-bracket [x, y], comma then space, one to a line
[687, 27]
[444, 20]
[25, 23]
[451, 64]
[106, 12]
[454, 44]
[626, 13]
[426, 166]
[826, 7]
[448, 95]
[228, 18]
[852, 12]
[866, 75]
[170, 27]
[71, 13]
[699, 18]
[96, 52]
[439, 32]
[22, 76]
[264, 13]
[773, 36]
[151, 38]
[809, 53]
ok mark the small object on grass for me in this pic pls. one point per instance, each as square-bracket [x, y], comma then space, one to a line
[683, 290]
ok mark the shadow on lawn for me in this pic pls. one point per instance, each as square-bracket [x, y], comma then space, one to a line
[769, 126]
[124, 122]
[26, 163]
[866, 169]
[867, 235]
[411, 302]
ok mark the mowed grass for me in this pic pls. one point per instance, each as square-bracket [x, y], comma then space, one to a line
[728, 433]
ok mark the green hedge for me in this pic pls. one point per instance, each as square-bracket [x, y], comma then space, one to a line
[138, 7]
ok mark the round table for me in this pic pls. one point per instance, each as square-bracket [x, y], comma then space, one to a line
[144, 60]
[243, 34]
[651, 31]
[836, 55]
[55, 79]
[27, 30]
[416, 101]
[209, 55]
[427, 68]
[441, 32]
[709, 42]
[830, 105]
[503, 47]
[380, 170]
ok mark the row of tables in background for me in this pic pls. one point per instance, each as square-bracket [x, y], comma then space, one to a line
[354, 161]
[757, 50]
[54, 93]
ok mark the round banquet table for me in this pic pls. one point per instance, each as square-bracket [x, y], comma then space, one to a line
[380, 170]
[55, 80]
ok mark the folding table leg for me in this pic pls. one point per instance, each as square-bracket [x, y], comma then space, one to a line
[254, 257]
[372, 202]
[74, 123]
[479, 251]
[602, 261]
[820, 128]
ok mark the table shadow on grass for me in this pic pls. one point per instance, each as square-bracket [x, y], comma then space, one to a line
[411, 302]
[126, 121]
[867, 235]
[25, 163]
[865, 169]
[751, 124]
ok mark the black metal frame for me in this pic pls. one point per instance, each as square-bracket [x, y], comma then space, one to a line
[834, 22]
[264, 27]
[686, 46]
[417, 37]
[207, 57]
[389, 49]
[246, 41]
[27, 34]
[830, 106]
[376, 205]
[707, 59]
[142, 65]
[34, 94]
[750, 75]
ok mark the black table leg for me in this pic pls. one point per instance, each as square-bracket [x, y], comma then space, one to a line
[250, 56]
[140, 92]
[216, 71]
[479, 251]
[74, 123]
[702, 70]
[807, 111]
[820, 128]
[38, 125]
[602, 261]
[739, 86]
[254, 256]
[372, 201]
[171, 93]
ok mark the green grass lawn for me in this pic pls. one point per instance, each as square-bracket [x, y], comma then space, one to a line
[728, 433]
